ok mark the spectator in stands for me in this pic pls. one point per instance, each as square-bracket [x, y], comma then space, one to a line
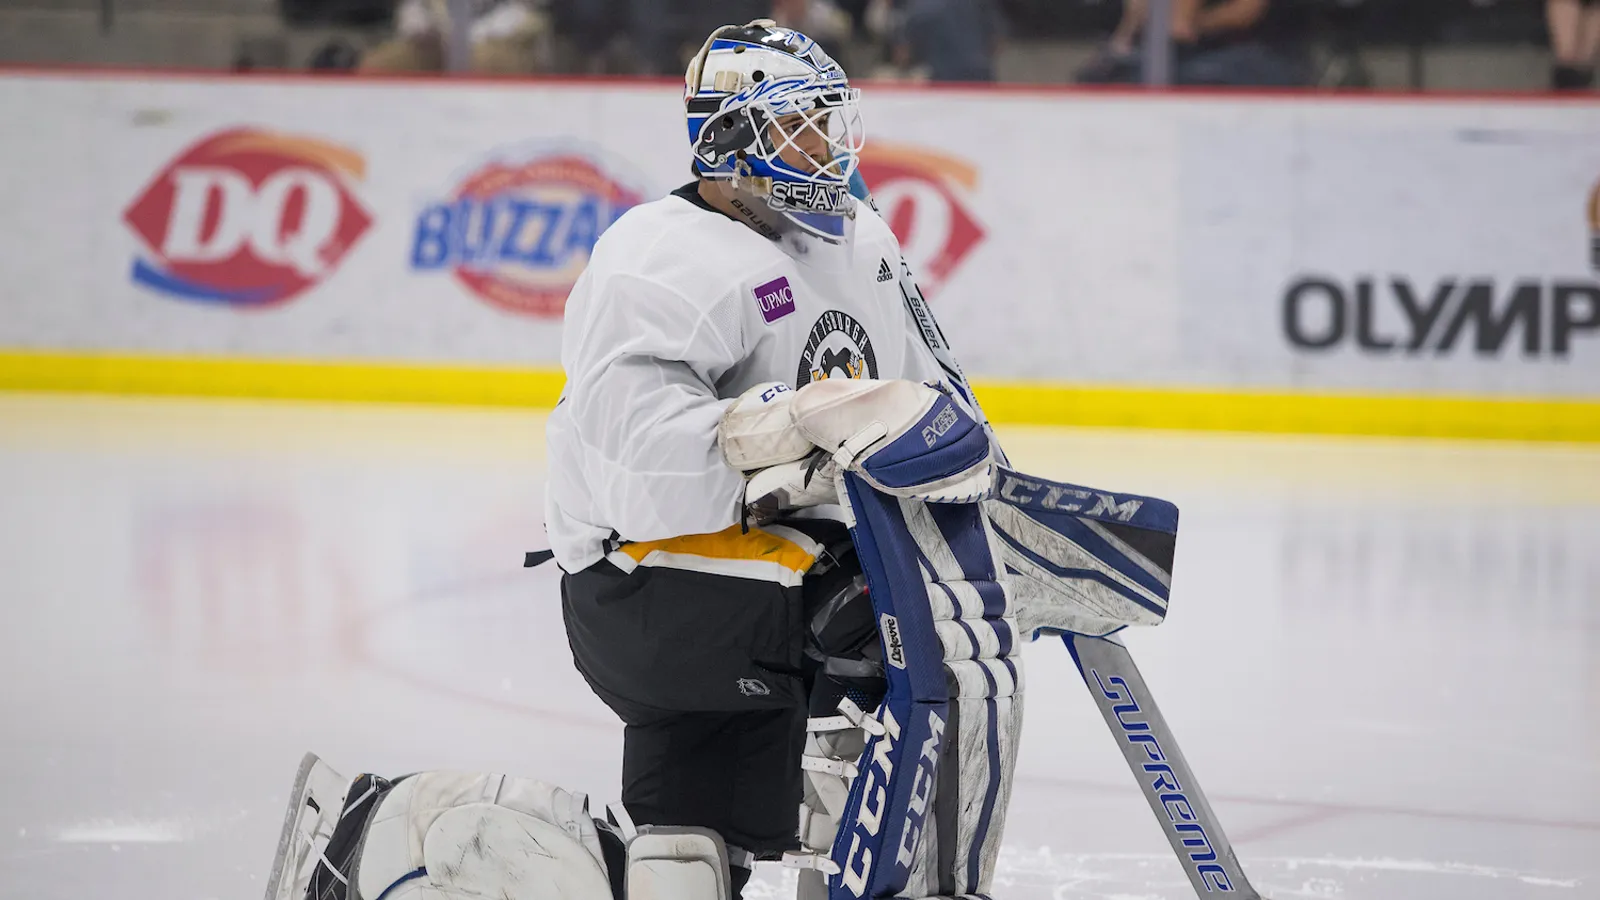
[1574, 38]
[947, 40]
[666, 33]
[820, 20]
[505, 37]
[1246, 43]
[591, 26]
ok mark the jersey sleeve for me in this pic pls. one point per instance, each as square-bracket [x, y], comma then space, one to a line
[646, 412]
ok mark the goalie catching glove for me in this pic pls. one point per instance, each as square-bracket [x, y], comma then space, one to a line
[785, 471]
[905, 438]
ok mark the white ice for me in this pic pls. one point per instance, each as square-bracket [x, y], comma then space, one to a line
[1382, 660]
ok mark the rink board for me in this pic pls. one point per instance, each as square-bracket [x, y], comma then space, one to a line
[1016, 403]
[1387, 266]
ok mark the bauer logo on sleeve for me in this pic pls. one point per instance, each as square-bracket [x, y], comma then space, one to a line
[776, 299]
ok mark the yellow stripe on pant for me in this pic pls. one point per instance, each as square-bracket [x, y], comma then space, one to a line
[768, 553]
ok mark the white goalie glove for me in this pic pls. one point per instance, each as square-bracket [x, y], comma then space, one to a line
[775, 490]
[905, 438]
[785, 471]
[758, 430]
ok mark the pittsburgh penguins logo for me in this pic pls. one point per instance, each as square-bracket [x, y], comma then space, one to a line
[838, 347]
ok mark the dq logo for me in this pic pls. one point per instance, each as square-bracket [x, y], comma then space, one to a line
[922, 195]
[518, 232]
[248, 218]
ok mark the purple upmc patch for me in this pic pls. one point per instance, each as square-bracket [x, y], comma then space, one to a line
[776, 299]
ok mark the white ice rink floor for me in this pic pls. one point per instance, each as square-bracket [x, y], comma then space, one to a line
[1382, 659]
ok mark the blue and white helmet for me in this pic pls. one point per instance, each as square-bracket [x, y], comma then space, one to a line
[771, 112]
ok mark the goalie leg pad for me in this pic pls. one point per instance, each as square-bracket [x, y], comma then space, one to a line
[446, 835]
[925, 815]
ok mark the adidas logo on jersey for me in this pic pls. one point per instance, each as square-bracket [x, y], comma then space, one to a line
[884, 272]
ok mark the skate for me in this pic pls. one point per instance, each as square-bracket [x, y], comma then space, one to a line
[315, 804]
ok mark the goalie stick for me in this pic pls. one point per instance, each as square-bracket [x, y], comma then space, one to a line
[1158, 765]
[1085, 564]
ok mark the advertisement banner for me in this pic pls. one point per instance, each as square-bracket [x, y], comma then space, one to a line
[1387, 246]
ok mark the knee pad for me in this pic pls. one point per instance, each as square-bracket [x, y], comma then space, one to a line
[677, 864]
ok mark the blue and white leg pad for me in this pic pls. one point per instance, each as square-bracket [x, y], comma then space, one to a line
[926, 810]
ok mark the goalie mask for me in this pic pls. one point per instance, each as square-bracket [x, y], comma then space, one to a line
[773, 115]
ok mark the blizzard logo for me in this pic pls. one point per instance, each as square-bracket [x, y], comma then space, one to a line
[921, 790]
[1062, 498]
[518, 229]
[893, 650]
[806, 197]
[874, 799]
[940, 426]
[1393, 316]
[1181, 817]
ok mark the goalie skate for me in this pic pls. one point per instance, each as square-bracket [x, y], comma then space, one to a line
[315, 804]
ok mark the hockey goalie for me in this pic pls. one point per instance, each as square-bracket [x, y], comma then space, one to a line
[793, 561]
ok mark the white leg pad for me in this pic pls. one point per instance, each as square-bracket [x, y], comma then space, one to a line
[677, 864]
[481, 836]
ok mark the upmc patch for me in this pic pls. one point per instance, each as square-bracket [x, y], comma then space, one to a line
[248, 218]
[775, 298]
[519, 229]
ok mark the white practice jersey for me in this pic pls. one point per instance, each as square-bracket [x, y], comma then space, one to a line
[680, 310]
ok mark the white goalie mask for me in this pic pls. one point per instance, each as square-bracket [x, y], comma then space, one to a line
[774, 115]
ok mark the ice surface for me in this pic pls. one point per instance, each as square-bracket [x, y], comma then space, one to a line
[1382, 660]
